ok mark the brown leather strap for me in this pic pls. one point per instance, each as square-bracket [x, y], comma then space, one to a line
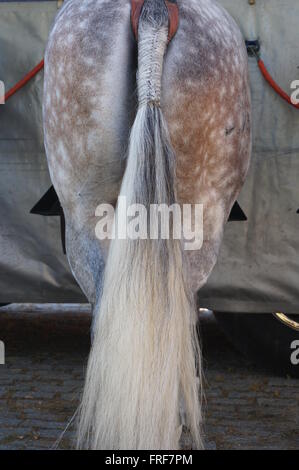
[173, 14]
[136, 6]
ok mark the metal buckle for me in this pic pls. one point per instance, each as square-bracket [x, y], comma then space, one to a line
[253, 48]
[286, 320]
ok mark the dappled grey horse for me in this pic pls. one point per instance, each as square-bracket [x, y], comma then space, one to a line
[183, 137]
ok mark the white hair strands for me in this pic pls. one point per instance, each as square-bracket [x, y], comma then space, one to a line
[145, 358]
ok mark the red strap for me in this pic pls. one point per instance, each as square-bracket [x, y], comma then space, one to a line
[173, 14]
[274, 85]
[24, 80]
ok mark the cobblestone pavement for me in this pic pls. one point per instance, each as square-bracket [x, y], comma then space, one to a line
[46, 353]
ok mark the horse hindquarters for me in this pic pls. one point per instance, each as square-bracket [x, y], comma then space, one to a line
[87, 115]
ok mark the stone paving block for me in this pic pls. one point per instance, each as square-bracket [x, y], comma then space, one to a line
[40, 385]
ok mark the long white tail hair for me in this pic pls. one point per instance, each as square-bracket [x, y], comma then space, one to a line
[145, 359]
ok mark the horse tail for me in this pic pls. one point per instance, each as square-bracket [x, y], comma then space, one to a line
[145, 358]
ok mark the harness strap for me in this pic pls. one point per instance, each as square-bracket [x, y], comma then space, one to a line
[274, 85]
[253, 49]
[22, 82]
[173, 14]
